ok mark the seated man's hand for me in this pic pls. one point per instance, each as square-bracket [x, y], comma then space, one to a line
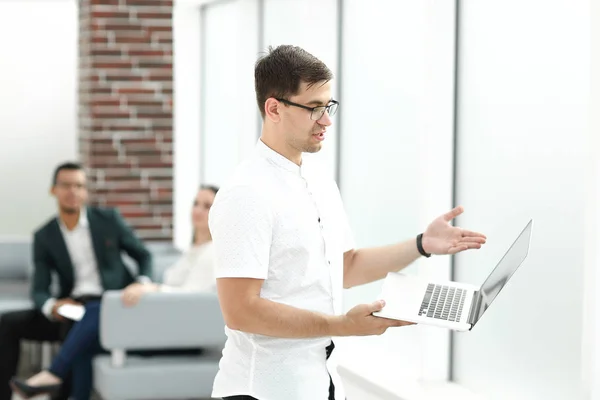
[134, 292]
[58, 304]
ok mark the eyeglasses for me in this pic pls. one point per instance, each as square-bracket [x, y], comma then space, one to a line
[69, 185]
[316, 113]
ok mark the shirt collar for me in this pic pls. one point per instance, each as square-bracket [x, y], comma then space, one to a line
[265, 151]
[82, 222]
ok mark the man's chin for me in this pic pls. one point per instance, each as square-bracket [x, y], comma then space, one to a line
[313, 148]
[70, 209]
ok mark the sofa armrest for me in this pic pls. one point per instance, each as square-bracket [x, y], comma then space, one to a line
[162, 321]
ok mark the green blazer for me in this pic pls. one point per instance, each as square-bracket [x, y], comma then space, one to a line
[110, 236]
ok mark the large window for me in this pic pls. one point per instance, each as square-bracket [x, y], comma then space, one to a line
[521, 154]
[396, 157]
[496, 122]
[228, 117]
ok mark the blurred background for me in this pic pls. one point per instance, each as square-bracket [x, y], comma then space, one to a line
[480, 103]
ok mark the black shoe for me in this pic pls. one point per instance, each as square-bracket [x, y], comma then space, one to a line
[27, 392]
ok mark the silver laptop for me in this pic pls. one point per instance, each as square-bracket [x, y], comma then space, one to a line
[454, 305]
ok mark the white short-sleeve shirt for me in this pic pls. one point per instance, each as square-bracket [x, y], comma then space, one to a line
[285, 224]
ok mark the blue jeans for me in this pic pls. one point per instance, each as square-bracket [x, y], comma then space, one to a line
[77, 351]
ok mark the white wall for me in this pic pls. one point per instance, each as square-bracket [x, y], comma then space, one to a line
[396, 159]
[591, 308]
[229, 110]
[312, 25]
[523, 125]
[186, 117]
[38, 106]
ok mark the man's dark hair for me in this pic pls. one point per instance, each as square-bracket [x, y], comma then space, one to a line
[280, 73]
[68, 166]
[212, 188]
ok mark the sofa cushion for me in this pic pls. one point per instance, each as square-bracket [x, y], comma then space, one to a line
[16, 304]
[15, 259]
[10, 288]
[158, 377]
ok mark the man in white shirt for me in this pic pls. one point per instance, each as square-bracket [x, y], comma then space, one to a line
[82, 246]
[284, 250]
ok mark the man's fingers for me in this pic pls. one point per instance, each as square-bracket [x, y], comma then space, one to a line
[393, 322]
[470, 245]
[464, 247]
[466, 233]
[376, 306]
[457, 249]
[471, 239]
[450, 215]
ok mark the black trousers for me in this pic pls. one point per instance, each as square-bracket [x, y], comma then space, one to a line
[328, 351]
[243, 397]
[25, 325]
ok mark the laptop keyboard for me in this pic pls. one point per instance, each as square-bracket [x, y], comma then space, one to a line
[443, 302]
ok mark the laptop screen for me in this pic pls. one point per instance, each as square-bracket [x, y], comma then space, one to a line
[507, 266]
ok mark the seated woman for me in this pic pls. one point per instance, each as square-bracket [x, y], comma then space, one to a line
[194, 272]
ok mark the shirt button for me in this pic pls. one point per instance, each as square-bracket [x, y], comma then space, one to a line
[328, 262]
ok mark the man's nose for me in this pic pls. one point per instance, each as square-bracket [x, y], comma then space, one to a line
[325, 120]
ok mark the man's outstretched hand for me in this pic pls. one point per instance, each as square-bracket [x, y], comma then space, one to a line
[443, 238]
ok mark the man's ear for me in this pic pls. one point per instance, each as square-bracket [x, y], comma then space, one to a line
[272, 109]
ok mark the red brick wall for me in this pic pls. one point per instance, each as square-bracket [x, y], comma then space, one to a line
[126, 109]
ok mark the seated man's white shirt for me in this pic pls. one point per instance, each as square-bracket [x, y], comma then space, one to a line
[81, 252]
[285, 224]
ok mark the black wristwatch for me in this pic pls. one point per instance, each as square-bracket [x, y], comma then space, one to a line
[420, 246]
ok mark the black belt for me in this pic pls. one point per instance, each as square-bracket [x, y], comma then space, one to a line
[328, 351]
[87, 298]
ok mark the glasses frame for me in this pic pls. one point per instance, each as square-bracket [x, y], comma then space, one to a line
[327, 108]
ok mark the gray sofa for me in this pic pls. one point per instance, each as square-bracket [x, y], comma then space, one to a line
[15, 270]
[159, 321]
[16, 267]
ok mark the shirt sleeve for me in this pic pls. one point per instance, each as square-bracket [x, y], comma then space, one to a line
[241, 225]
[47, 308]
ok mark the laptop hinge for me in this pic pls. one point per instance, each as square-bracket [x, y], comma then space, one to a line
[474, 307]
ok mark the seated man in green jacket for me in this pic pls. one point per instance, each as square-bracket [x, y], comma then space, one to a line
[82, 246]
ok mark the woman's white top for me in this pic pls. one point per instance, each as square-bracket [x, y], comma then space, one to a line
[194, 272]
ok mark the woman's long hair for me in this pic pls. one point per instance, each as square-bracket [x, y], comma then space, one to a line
[213, 189]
